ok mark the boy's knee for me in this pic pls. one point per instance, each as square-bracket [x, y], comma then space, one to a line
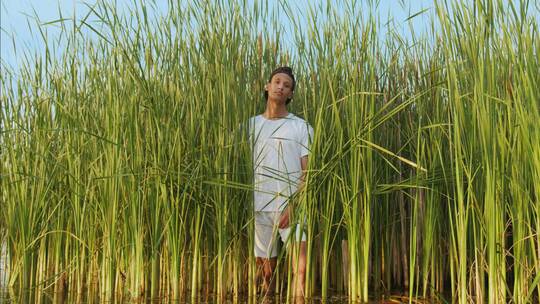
[267, 273]
[267, 266]
[301, 269]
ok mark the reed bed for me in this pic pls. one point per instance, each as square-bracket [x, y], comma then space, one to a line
[125, 171]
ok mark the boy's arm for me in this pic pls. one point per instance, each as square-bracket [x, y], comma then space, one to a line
[303, 164]
[284, 219]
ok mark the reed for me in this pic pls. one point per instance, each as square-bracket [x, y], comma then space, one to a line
[125, 171]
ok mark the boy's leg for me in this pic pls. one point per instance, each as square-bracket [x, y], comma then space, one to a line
[265, 251]
[297, 253]
[265, 268]
[299, 268]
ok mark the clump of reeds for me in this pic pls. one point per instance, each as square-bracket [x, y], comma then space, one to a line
[125, 172]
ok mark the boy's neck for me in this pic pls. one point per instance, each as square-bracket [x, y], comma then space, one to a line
[275, 110]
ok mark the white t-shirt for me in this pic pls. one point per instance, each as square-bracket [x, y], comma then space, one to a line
[277, 146]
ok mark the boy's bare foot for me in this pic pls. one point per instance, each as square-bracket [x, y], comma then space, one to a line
[267, 299]
[299, 300]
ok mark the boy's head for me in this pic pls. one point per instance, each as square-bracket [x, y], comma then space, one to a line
[281, 84]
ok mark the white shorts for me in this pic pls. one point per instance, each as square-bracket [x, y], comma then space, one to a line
[266, 228]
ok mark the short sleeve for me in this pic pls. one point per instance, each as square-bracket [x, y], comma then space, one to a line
[306, 139]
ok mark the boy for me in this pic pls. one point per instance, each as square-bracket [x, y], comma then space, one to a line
[280, 142]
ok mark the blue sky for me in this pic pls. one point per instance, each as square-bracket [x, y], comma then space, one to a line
[19, 31]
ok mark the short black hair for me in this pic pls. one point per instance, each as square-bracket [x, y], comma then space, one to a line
[285, 70]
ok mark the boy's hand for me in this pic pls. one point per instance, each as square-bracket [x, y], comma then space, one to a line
[284, 218]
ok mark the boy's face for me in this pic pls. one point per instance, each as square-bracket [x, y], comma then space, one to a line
[280, 87]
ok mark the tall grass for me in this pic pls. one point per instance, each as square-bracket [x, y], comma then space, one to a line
[125, 171]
